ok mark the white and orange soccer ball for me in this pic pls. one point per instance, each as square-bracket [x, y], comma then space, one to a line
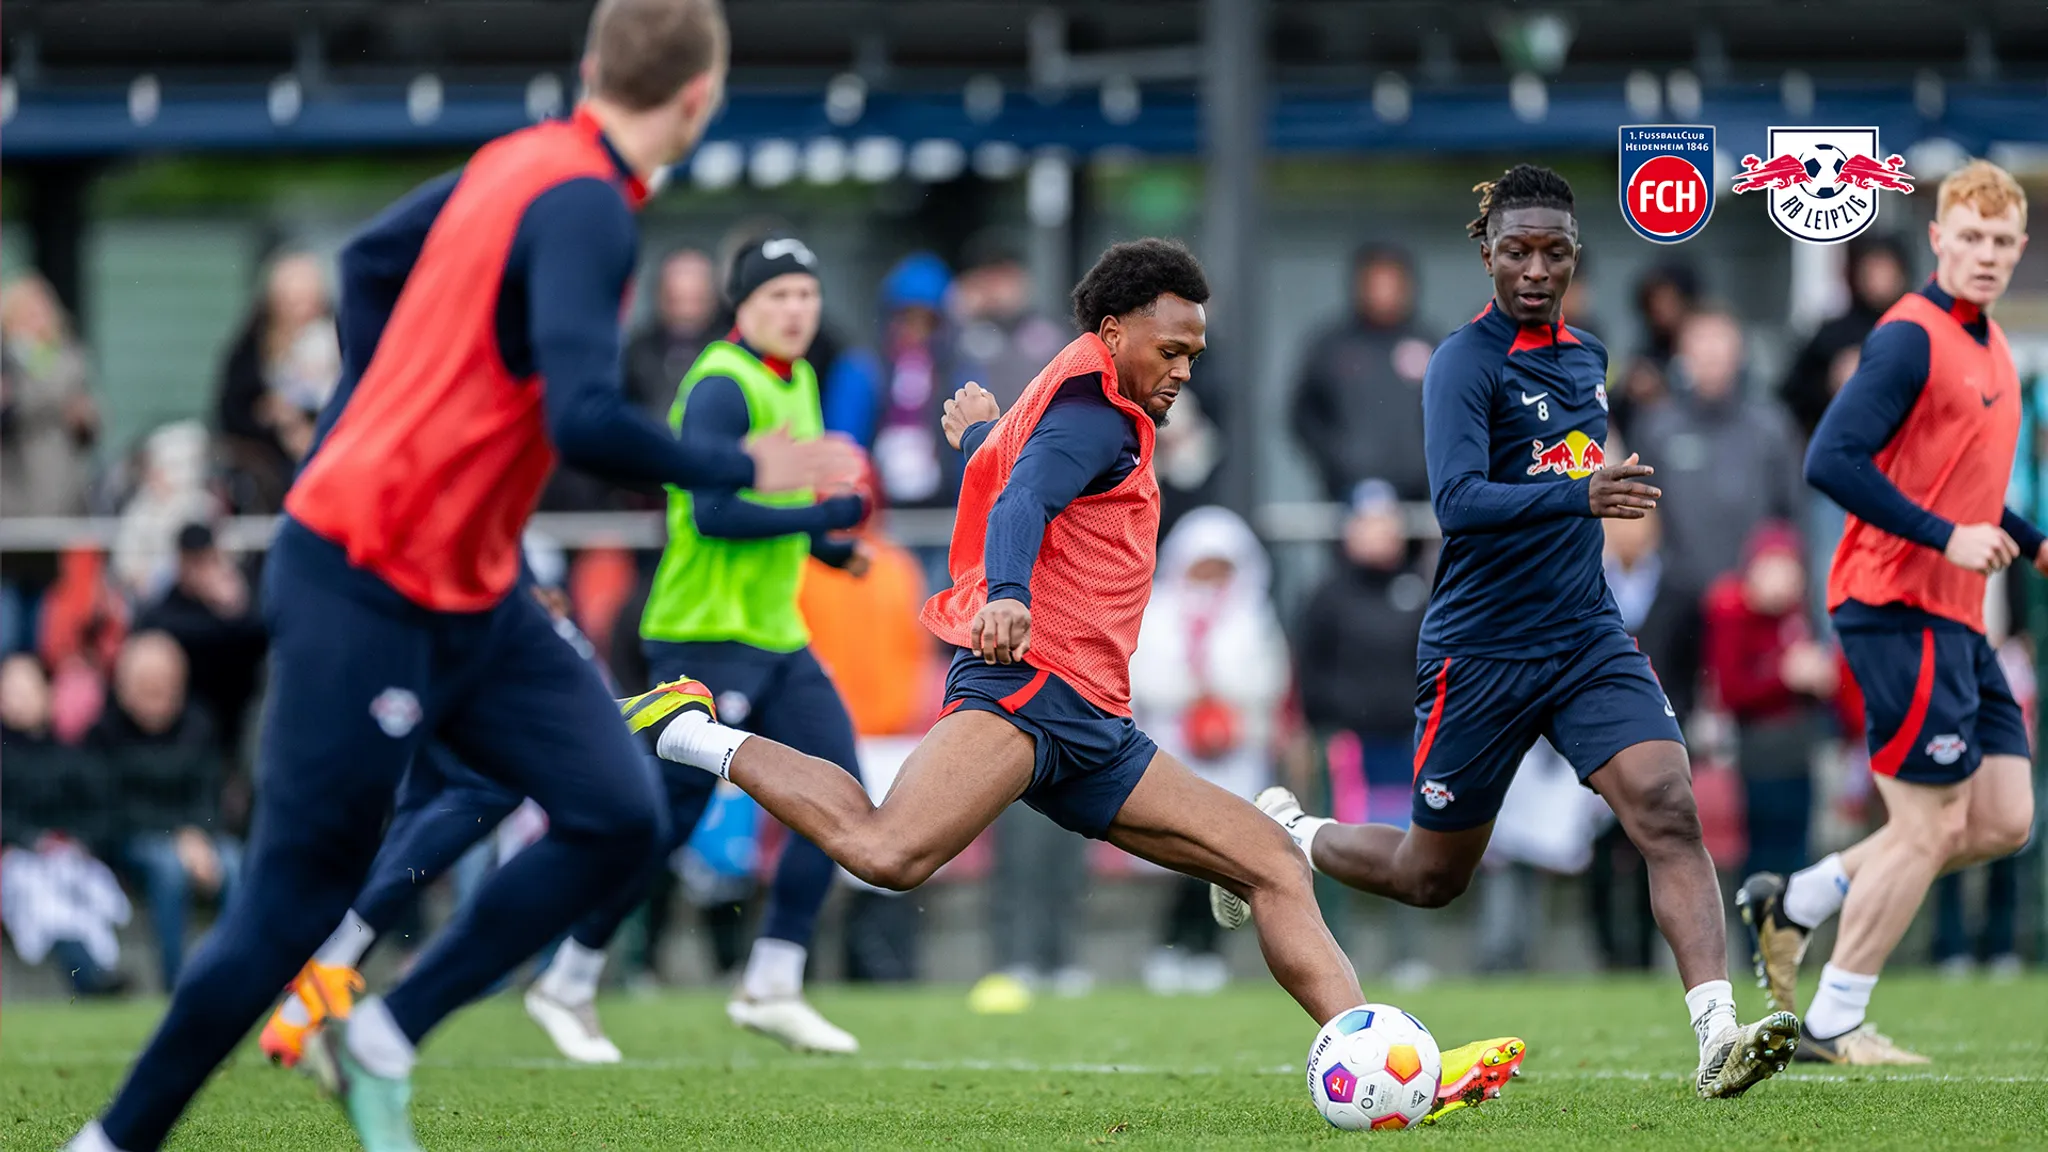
[1374, 1067]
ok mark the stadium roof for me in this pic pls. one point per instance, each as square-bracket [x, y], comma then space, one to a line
[918, 42]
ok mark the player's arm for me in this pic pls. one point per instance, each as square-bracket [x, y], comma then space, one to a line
[1842, 459]
[579, 247]
[1456, 421]
[1075, 442]
[975, 436]
[716, 412]
[834, 553]
[2025, 534]
[373, 268]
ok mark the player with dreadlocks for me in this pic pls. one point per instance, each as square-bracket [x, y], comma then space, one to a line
[1522, 639]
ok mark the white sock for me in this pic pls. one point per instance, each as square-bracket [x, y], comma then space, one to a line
[1304, 829]
[700, 742]
[1815, 893]
[775, 970]
[1840, 1002]
[345, 948]
[91, 1138]
[572, 975]
[1712, 1008]
[376, 1043]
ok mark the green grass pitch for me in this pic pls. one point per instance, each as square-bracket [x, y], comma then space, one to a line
[1609, 1068]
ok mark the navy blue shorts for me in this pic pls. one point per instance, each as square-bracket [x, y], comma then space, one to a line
[1477, 716]
[1087, 760]
[1935, 701]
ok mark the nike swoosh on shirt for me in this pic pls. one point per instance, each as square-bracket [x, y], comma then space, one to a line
[1989, 400]
[1528, 399]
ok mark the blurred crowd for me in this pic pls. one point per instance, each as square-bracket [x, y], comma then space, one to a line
[133, 675]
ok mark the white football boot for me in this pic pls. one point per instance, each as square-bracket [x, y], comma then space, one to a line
[573, 1027]
[793, 1021]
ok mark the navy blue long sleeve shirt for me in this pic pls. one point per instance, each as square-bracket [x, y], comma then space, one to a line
[1514, 421]
[716, 410]
[1082, 446]
[1842, 459]
[557, 317]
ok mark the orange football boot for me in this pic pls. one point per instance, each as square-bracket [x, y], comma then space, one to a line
[325, 992]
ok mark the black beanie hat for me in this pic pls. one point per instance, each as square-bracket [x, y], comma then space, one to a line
[764, 260]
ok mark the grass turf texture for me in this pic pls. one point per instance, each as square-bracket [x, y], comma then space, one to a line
[1610, 1067]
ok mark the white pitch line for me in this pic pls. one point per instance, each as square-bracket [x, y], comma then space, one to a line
[1048, 1068]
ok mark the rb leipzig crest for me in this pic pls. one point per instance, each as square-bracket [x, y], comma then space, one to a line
[1667, 180]
[1822, 183]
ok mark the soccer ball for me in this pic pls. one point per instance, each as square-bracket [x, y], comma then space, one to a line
[1374, 1067]
[1824, 163]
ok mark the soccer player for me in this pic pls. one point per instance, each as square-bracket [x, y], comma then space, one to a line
[1522, 639]
[724, 607]
[1918, 449]
[480, 338]
[1052, 560]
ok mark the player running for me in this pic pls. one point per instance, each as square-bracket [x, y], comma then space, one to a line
[724, 606]
[1918, 448]
[1052, 560]
[480, 339]
[1522, 639]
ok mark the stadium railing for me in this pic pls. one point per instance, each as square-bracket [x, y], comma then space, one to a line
[1281, 522]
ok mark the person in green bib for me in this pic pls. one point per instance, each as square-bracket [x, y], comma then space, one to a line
[723, 610]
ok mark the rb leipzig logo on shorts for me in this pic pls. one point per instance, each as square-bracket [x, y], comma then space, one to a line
[1822, 183]
[1667, 180]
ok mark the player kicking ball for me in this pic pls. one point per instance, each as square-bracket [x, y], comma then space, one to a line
[1918, 449]
[1522, 639]
[1052, 560]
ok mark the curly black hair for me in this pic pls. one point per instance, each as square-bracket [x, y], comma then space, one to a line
[1523, 186]
[1132, 276]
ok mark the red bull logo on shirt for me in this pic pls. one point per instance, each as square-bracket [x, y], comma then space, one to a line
[1576, 455]
[1822, 183]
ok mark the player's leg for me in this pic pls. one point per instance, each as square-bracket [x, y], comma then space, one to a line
[1416, 866]
[347, 679]
[1613, 723]
[538, 720]
[970, 766]
[1177, 820]
[1475, 719]
[442, 809]
[803, 710]
[2001, 812]
[563, 1001]
[1649, 786]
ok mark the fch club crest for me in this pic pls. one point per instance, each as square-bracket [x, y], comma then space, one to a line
[1667, 180]
[1823, 183]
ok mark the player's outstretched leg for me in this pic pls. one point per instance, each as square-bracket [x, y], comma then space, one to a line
[1180, 821]
[441, 812]
[934, 810]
